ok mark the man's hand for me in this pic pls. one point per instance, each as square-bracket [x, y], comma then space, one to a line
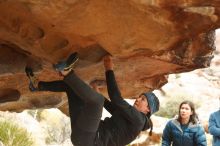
[95, 87]
[98, 84]
[108, 64]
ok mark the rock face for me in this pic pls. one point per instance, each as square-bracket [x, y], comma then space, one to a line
[148, 40]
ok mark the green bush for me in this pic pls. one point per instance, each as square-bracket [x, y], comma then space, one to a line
[12, 135]
[36, 114]
[171, 106]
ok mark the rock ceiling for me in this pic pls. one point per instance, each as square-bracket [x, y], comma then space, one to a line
[148, 40]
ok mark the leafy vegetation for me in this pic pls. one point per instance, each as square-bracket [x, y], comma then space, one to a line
[12, 135]
[57, 130]
[170, 108]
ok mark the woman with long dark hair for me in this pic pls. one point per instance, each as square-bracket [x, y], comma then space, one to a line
[185, 129]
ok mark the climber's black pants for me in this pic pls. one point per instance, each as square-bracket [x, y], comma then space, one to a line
[85, 107]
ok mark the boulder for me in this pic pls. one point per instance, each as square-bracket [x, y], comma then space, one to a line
[148, 39]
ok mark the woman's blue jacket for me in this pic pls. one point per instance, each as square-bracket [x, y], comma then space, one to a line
[192, 135]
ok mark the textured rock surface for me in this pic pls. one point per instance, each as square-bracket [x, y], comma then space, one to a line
[148, 39]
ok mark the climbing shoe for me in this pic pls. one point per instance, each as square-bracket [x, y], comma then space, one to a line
[67, 64]
[32, 79]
